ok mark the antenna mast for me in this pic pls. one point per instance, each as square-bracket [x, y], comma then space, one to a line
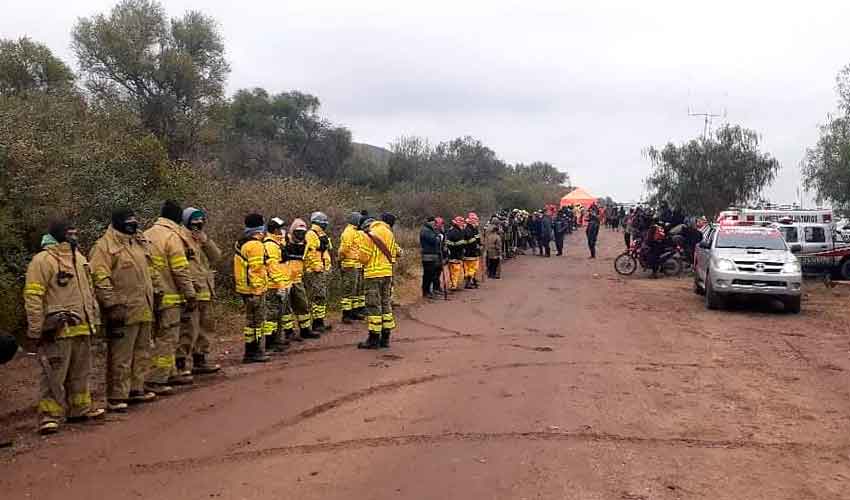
[708, 117]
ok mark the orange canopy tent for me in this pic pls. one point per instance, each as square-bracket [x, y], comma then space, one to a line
[578, 196]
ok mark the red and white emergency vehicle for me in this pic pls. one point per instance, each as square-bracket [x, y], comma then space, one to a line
[811, 235]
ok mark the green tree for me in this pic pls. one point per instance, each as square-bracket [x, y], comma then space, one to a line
[706, 175]
[826, 168]
[540, 172]
[28, 66]
[172, 72]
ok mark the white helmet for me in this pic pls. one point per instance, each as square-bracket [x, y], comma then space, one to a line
[320, 219]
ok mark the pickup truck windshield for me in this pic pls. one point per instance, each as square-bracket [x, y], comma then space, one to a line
[753, 240]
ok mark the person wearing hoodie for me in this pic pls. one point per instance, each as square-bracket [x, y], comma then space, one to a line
[317, 269]
[279, 320]
[62, 314]
[430, 243]
[299, 306]
[350, 268]
[196, 325]
[176, 294]
[471, 251]
[376, 255]
[123, 276]
[251, 279]
[456, 243]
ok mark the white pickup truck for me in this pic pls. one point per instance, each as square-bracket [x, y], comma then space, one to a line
[821, 247]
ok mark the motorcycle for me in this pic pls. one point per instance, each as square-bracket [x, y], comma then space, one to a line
[669, 262]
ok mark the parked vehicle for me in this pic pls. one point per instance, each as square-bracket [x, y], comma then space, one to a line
[820, 247]
[746, 260]
[670, 261]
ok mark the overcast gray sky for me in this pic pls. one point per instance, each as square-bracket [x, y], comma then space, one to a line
[585, 87]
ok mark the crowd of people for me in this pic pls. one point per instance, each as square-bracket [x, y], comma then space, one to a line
[652, 232]
[149, 293]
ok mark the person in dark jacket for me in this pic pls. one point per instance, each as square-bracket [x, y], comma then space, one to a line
[544, 239]
[534, 228]
[592, 230]
[456, 242]
[430, 243]
[472, 251]
[560, 227]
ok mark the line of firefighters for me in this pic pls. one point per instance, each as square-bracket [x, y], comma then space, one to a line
[150, 293]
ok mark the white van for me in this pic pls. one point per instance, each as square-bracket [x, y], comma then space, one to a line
[819, 246]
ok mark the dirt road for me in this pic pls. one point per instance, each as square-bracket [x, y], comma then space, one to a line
[561, 381]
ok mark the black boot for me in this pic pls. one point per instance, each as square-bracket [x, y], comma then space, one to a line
[200, 365]
[306, 333]
[468, 284]
[347, 317]
[372, 342]
[358, 314]
[288, 335]
[385, 339]
[254, 353]
[274, 344]
[475, 283]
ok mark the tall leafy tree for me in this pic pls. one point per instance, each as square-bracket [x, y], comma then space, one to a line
[172, 71]
[28, 66]
[704, 176]
[826, 168]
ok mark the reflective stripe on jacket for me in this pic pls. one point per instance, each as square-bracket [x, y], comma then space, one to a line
[375, 262]
[249, 266]
[317, 257]
[349, 245]
[168, 253]
[277, 270]
[122, 271]
[54, 284]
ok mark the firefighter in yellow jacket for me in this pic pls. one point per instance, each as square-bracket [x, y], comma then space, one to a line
[351, 268]
[251, 278]
[278, 320]
[123, 272]
[196, 326]
[317, 269]
[298, 306]
[176, 294]
[376, 255]
[61, 316]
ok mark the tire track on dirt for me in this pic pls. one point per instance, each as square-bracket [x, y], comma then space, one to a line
[838, 452]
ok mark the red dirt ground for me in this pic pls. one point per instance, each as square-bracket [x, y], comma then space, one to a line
[562, 380]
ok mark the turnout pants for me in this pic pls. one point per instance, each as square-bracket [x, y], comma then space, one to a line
[351, 288]
[69, 361]
[128, 360]
[255, 317]
[165, 339]
[455, 274]
[206, 328]
[379, 309]
[470, 267]
[275, 314]
[317, 293]
[430, 277]
[298, 308]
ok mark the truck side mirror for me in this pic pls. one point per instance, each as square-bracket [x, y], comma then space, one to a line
[796, 248]
[705, 245]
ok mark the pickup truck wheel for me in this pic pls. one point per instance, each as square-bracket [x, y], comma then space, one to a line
[792, 305]
[844, 270]
[712, 299]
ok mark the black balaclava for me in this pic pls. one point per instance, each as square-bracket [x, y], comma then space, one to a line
[119, 221]
[171, 210]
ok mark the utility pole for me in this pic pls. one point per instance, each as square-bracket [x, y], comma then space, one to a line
[708, 118]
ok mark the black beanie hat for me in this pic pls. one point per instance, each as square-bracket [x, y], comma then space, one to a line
[58, 228]
[253, 220]
[119, 215]
[171, 210]
[388, 218]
